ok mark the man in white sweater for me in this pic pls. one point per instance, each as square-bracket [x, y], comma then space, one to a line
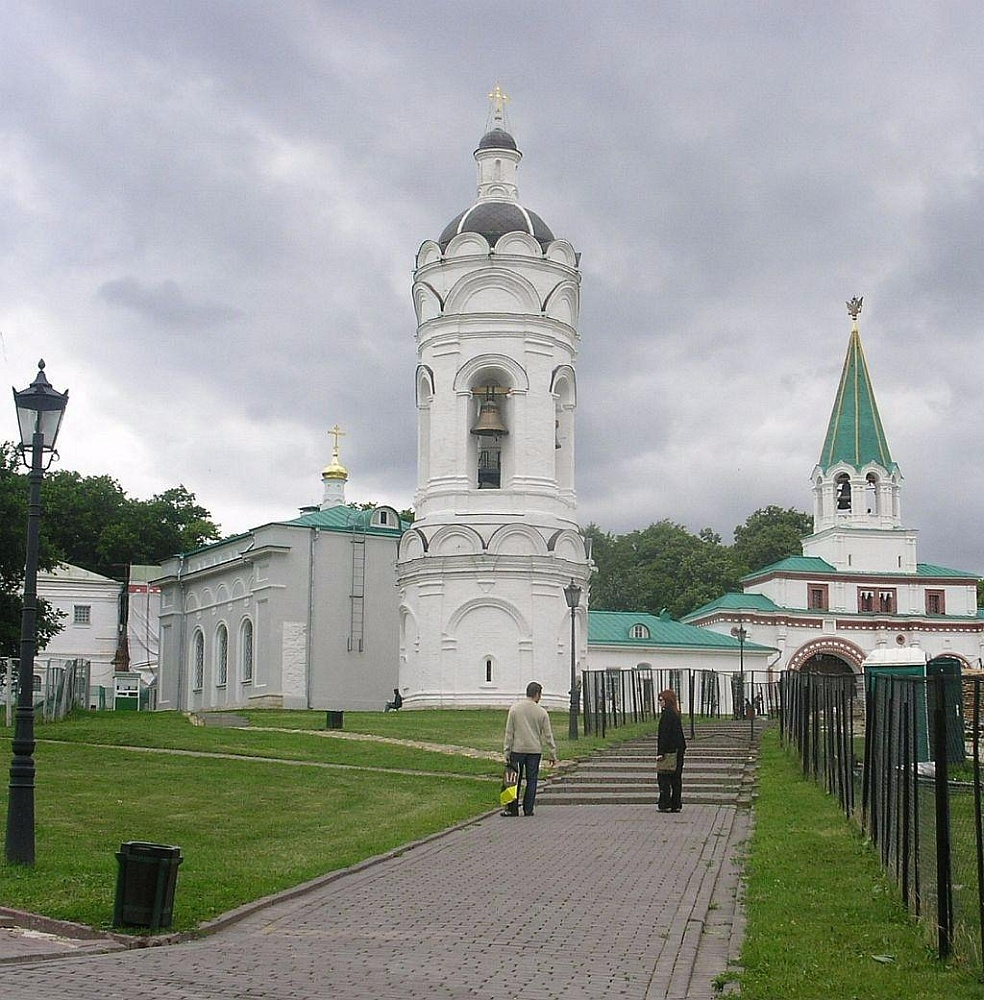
[528, 732]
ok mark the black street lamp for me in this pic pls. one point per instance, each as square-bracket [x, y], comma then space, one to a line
[39, 412]
[572, 593]
[740, 633]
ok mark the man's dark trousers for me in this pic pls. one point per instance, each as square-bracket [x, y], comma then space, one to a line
[528, 765]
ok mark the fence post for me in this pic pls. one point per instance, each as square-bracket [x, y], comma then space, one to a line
[978, 822]
[944, 886]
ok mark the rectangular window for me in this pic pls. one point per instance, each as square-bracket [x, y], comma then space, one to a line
[866, 600]
[935, 602]
[82, 614]
[886, 601]
[817, 596]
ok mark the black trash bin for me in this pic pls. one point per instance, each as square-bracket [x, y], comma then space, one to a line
[334, 720]
[145, 884]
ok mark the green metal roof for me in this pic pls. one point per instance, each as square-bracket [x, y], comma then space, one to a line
[345, 518]
[855, 435]
[815, 566]
[928, 569]
[613, 628]
[734, 601]
[795, 564]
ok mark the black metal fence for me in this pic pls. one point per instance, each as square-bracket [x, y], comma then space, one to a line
[901, 751]
[616, 697]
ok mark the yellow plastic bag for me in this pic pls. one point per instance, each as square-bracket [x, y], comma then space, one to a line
[510, 781]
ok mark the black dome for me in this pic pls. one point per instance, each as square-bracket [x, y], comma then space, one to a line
[498, 138]
[493, 219]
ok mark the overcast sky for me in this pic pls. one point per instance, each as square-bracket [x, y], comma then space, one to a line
[209, 213]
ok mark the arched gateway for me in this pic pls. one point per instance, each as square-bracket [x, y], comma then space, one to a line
[829, 655]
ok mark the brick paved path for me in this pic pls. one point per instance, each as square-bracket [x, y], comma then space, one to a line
[576, 902]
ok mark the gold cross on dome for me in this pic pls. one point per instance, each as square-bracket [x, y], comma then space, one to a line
[498, 99]
[336, 432]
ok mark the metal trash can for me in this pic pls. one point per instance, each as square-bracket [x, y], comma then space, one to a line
[333, 720]
[145, 882]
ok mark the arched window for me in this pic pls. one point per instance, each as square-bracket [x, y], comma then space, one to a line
[246, 651]
[488, 670]
[843, 491]
[221, 656]
[639, 631]
[198, 660]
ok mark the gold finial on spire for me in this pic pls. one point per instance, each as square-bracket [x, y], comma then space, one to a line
[336, 470]
[854, 307]
[497, 113]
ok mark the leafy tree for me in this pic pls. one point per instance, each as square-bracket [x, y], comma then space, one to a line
[770, 534]
[150, 531]
[660, 567]
[78, 512]
[980, 593]
[96, 526]
[709, 572]
[13, 556]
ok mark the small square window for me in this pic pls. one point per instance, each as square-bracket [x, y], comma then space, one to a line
[817, 596]
[82, 614]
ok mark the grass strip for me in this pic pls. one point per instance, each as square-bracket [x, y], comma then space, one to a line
[824, 920]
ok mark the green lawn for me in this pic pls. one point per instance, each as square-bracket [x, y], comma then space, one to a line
[824, 921]
[254, 810]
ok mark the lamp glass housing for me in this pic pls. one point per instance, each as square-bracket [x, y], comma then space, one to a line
[572, 594]
[39, 410]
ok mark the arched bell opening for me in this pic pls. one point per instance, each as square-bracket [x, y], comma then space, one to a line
[843, 493]
[872, 494]
[563, 393]
[488, 431]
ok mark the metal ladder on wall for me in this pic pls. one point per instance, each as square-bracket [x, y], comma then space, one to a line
[357, 597]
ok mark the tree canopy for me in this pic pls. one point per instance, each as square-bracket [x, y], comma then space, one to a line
[665, 566]
[770, 534]
[13, 555]
[87, 521]
[92, 523]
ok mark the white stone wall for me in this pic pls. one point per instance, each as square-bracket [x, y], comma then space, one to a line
[483, 570]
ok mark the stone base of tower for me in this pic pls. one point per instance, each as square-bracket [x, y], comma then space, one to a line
[476, 629]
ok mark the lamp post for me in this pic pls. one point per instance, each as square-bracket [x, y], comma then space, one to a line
[39, 412]
[572, 594]
[740, 633]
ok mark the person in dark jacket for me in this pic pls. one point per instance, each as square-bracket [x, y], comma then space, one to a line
[670, 739]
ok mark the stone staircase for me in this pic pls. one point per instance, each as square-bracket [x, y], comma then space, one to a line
[719, 770]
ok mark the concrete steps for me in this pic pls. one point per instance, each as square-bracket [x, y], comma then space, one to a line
[719, 770]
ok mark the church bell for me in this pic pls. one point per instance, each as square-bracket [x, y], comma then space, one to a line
[489, 423]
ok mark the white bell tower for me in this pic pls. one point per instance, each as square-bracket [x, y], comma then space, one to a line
[483, 569]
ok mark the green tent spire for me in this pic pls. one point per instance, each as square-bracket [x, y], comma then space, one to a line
[855, 435]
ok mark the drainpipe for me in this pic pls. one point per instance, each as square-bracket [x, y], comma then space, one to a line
[182, 635]
[309, 638]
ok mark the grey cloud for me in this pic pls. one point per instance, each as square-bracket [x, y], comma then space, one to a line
[165, 303]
